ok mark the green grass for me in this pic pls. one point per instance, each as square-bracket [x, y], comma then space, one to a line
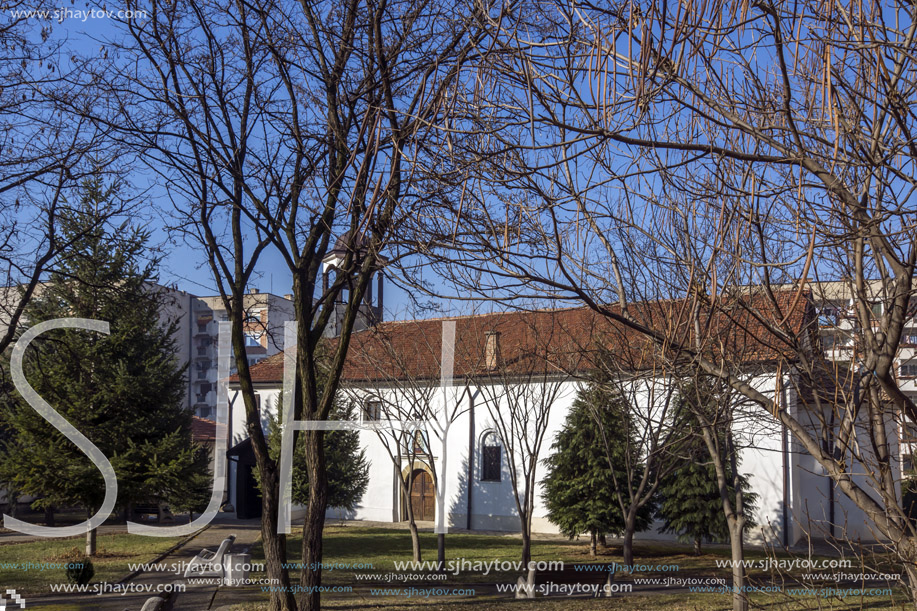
[667, 602]
[114, 552]
[382, 547]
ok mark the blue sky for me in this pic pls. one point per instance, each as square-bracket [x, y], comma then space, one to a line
[183, 265]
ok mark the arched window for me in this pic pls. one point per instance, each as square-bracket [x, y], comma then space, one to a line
[491, 457]
[372, 410]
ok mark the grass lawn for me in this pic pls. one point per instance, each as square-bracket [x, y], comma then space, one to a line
[381, 547]
[114, 552]
[667, 602]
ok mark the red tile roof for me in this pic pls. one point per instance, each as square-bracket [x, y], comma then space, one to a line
[203, 430]
[566, 340]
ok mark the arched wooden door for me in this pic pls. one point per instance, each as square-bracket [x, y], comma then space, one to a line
[422, 495]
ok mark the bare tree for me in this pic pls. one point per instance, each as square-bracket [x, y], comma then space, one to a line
[627, 152]
[717, 415]
[396, 410]
[45, 153]
[414, 404]
[647, 434]
[521, 377]
[295, 126]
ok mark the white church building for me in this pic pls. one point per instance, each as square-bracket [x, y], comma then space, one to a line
[457, 405]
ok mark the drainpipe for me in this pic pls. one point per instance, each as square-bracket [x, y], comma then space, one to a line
[831, 503]
[191, 324]
[785, 452]
[471, 397]
[229, 484]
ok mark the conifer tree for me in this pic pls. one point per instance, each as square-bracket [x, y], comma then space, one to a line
[123, 390]
[578, 488]
[348, 469]
[690, 502]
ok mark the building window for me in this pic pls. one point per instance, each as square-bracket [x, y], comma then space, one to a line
[911, 308]
[828, 316]
[491, 457]
[909, 433]
[909, 338]
[908, 371]
[908, 445]
[372, 410]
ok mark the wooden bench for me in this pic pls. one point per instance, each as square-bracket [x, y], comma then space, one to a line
[597, 575]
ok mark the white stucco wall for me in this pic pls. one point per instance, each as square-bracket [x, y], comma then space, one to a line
[492, 503]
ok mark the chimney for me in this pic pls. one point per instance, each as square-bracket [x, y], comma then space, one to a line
[491, 349]
[253, 291]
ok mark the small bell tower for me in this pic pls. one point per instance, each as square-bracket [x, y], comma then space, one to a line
[369, 313]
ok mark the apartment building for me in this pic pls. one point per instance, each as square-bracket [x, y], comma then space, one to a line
[265, 315]
[838, 331]
[197, 330]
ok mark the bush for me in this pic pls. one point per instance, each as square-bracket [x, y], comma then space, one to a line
[80, 570]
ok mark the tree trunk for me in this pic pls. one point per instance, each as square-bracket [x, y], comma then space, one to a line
[12, 503]
[311, 574]
[406, 486]
[415, 538]
[274, 544]
[592, 543]
[602, 540]
[739, 600]
[630, 525]
[441, 551]
[697, 546]
[91, 542]
[911, 572]
[526, 547]
[49, 516]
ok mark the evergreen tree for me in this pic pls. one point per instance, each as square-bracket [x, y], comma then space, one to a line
[690, 502]
[578, 488]
[123, 391]
[348, 469]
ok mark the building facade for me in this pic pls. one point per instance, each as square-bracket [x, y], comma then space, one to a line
[460, 460]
